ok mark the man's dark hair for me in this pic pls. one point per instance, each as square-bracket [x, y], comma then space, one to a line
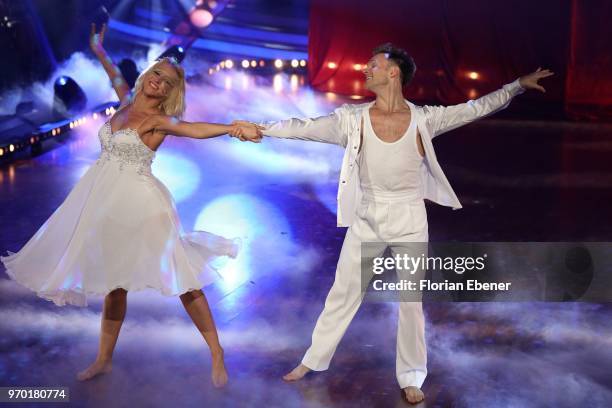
[401, 58]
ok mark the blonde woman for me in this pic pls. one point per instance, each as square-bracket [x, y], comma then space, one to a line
[118, 230]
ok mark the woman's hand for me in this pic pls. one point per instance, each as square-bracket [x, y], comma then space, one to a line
[96, 40]
[246, 131]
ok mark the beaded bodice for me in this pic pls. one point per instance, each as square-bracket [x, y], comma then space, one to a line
[125, 148]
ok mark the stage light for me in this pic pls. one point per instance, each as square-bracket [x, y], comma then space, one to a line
[1, 151]
[357, 67]
[229, 64]
[262, 63]
[32, 140]
[294, 83]
[201, 18]
[295, 63]
[245, 64]
[253, 63]
[210, 71]
[473, 94]
[356, 97]
[277, 83]
[473, 75]
[302, 63]
[53, 132]
[68, 97]
[94, 116]
[278, 63]
[332, 65]
[217, 68]
[222, 64]
[176, 51]
[11, 148]
[71, 125]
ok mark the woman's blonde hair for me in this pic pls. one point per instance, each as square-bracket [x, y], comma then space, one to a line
[174, 104]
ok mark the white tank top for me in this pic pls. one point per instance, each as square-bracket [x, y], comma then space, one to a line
[390, 167]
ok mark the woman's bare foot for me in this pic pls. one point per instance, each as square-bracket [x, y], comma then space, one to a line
[297, 373]
[97, 368]
[413, 395]
[219, 374]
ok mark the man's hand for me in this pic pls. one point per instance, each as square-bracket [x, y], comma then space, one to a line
[530, 81]
[97, 39]
[246, 131]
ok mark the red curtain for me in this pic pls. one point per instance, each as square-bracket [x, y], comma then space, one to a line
[589, 76]
[464, 49]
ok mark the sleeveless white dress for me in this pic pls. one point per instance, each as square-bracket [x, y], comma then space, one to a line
[118, 228]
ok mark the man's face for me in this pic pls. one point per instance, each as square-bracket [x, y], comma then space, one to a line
[376, 72]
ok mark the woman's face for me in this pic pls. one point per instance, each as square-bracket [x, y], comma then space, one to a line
[159, 80]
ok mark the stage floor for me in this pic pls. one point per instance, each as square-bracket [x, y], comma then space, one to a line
[518, 181]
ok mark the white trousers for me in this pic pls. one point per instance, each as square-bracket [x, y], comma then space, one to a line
[389, 218]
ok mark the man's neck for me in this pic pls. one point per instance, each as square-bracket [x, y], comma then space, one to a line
[390, 100]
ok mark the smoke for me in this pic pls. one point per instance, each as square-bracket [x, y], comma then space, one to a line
[85, 71]
[522, 354]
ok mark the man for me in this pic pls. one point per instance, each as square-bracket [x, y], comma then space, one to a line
[389, 168]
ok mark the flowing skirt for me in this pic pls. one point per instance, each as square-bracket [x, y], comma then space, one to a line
[117, 228]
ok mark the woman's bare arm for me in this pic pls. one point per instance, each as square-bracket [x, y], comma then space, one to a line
[197, 130]
[119, 83]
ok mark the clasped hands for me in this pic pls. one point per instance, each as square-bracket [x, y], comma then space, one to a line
[246, 131]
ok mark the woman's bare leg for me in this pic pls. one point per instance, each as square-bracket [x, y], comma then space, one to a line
[196, 306]
[115, 305]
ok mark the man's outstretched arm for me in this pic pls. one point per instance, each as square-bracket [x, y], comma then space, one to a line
[324, 129]
[445, 118]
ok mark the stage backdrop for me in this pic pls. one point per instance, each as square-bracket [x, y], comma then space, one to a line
[464, 49]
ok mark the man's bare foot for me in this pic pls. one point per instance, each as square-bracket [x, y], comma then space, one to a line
[218, 374]
[97, 368]
[297, 373]
[413, 395]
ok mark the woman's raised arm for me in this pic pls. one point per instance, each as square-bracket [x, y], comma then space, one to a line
[119, 83]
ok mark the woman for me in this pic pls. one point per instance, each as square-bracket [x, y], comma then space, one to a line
[118, 229]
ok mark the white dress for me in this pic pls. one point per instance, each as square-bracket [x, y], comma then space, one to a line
[118, 228]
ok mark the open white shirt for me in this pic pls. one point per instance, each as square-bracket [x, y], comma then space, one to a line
[343, 127]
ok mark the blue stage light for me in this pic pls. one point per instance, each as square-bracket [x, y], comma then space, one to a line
[176, 51]
[68, 99]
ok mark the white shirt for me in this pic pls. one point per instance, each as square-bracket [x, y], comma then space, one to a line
[343, 127]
